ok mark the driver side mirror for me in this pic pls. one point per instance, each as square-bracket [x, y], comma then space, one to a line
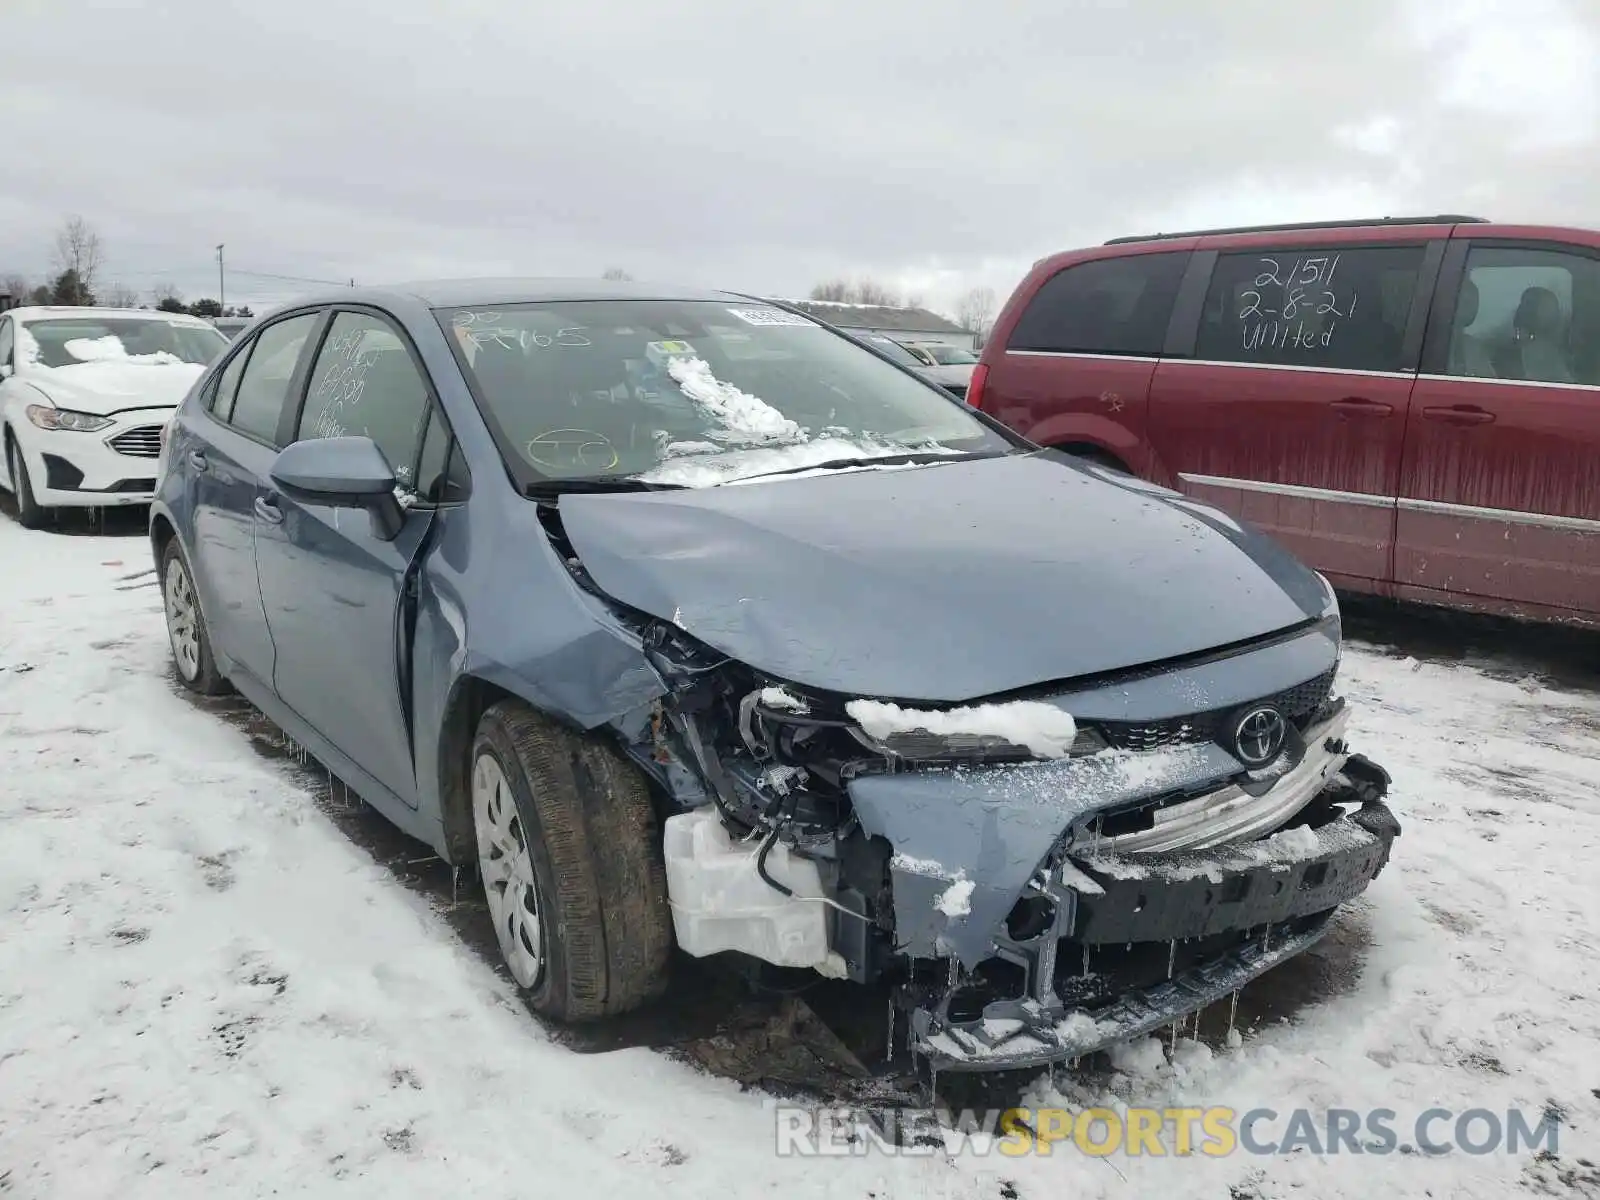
[342, 472]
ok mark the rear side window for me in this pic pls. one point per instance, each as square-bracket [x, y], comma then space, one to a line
[265, 385]
[226, 385]
[1528, 315]
[1109, 306]
[1344, 308]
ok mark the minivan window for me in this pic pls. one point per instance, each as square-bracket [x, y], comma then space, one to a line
[365, 384]
[693, 392]
[1529, 315]
[1108, 306]
[258, 406]
[1343, 308]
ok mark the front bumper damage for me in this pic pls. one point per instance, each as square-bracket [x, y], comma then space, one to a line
[1276, 909]
[1021, 910]
[1074, 938]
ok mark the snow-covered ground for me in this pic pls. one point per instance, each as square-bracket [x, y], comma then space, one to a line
[206, 988]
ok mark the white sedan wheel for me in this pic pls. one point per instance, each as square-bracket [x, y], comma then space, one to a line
[507, 869]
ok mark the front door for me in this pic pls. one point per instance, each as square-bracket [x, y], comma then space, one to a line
[1500, 493]
[224, 465]
[1291, 411]
[333, 591]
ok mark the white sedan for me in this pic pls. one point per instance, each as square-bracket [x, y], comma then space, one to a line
[84, 395]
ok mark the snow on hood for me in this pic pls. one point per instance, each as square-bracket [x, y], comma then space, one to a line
[109, 379]
[1043, 728]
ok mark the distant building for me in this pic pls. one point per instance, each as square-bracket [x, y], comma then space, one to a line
[901, 324]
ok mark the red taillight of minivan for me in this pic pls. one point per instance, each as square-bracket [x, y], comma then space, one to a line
[975, 385]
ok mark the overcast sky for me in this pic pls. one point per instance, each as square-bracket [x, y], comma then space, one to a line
[933, 144]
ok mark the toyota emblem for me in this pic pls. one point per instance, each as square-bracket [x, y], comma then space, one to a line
[1259, 736]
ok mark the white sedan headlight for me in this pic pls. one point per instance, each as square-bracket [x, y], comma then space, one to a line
[65, 419]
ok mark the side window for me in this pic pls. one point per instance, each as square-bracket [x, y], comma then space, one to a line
[264, 386]
[364, 383]
[1109, 306]
[8, 342]
[226, 385]
[1529, 315]
[1344, 308]
[441, 472]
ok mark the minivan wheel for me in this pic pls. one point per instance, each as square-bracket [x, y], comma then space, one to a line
[186, 626]
[30, 513]
[571, 862]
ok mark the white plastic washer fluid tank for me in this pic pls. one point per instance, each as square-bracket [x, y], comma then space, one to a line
[720, 902]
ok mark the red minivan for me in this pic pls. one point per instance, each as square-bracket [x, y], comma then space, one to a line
[1411, 405]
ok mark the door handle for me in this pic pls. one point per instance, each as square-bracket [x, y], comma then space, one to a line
[268, 511]
[198, 460]
[1459, 414]
[1359, 406]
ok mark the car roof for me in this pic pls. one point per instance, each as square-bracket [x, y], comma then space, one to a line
[461, 293]
[39, 312]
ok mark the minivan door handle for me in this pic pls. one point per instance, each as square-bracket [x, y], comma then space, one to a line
[1459, 414]
[1359, 406]
[268, 511]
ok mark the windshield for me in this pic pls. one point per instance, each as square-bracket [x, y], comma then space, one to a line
[70, 341]
[949, 356]
[693, 393]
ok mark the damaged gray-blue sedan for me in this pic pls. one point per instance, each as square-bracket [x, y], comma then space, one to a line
[690, 622]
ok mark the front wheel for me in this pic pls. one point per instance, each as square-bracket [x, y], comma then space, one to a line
[30, 513]
[571, 862]
[186, 626]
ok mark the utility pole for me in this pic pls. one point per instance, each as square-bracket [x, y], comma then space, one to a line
[222, 281]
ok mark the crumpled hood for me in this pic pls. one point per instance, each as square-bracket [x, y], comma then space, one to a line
[942, 583]
[107, 387]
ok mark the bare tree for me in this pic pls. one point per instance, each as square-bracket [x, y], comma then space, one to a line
[870, 291]
[117, 295]
[16, 286]
[166, 290]
[836, 291]
[616, 273]
[975, 309]
[79, 251]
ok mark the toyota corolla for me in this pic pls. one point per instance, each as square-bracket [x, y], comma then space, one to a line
[692, 622]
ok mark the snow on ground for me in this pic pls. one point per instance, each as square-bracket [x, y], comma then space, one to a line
[207, 989]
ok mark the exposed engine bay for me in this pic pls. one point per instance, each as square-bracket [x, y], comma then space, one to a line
[1035, 875]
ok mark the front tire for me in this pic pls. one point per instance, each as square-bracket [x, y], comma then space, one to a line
[30, 513]
[571, 862]
[186, 626]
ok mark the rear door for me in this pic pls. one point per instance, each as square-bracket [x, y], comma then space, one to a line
[1079, 357]
[335, 593]
[1287, 405]
[1500, 492]
[223, 468]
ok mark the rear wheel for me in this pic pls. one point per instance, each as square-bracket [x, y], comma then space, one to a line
[571, 863]
[186, 626]
[30, 513]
